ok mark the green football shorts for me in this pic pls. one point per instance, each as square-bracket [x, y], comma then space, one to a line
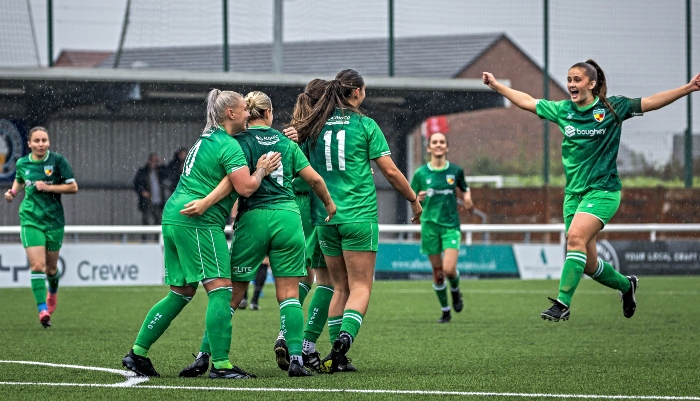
[601, 204]
[194, 254]
[34, 236]
[304, 204]
[361, 237]
[275, 233]
[435, 238]
[314, 256]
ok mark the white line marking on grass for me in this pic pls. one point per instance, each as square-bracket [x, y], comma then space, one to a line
[361, 391]
[132, 378]
[534, 292]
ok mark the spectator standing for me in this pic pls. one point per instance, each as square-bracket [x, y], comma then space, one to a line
[149, 184]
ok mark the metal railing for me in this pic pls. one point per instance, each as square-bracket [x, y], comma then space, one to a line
[468, 229]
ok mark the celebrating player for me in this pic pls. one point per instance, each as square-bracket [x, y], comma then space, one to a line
[591, 123]
[44, 176]
[195, 248]
[269, 223]
[436, 183]
[341, 144]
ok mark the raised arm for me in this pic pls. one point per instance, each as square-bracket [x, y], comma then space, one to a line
[400, 184]
[317, 185]
[662, 99]
[520, 99]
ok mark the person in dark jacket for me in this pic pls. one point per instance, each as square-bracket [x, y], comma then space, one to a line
[149, 184]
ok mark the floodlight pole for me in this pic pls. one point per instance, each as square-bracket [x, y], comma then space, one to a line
[545, 126]
[277, 44]
[689, 131]
[391, 38]
[49, 30]
[225, 31]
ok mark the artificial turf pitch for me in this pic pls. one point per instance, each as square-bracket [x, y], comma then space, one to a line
[497, 348]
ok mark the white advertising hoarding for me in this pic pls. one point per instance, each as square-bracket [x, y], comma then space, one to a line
[89, 265]
[539, 261]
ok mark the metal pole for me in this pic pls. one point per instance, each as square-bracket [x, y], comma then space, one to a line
[122, 37]
[277, 46]
[391, 38]
[49, 30]
[225, 12]
[689, 131]
[545, 126]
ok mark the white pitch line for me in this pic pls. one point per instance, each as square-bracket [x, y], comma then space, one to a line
[361, 391]
[534, 292]
[132, 378]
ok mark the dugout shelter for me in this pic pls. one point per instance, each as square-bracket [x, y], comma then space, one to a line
[106, 121]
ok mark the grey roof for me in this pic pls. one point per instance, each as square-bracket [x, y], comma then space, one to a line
[430, 57]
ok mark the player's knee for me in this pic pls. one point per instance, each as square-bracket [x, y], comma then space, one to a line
[38, 267]
[576, 241]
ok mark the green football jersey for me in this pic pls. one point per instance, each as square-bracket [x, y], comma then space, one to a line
[591, 140]
[275, 190]
[214, 156]
[440, 203]
[42, 209]
[342, 157]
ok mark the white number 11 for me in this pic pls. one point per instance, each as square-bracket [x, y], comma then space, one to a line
[340, 136]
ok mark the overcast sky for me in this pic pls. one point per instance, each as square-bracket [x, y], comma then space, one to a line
[640, 43]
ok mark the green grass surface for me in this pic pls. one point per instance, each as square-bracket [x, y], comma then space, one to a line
[497, 344]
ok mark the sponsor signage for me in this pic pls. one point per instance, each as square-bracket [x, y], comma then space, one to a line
[652, 257]
[539, 261]
[83, 265]
[404, 260]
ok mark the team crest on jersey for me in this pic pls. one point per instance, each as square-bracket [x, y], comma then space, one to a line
[428, 181]
[450, 179]
[48, 170]
[599, 114]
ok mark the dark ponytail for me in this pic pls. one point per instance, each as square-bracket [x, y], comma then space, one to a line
[307, 100]
[336, 95]
[593, 71]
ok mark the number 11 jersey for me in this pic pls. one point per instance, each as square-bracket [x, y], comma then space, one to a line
[341, 155]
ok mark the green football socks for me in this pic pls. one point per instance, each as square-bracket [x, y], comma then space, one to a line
[441, 292]
[53, 282]
[609, 277]
[292, 324]
[334, 323]
[571, 275]
[304, 289]
[157, 321]
[352, 320]
[218, 326]
[318, 312]
[454, 282]
[39, 289]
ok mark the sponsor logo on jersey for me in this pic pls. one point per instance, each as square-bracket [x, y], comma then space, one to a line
[432, 192]
[450, 178]
[338, 120]
[267, 140]
[28, 183]
[599, 114]
[48, 170]
[571, 131]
